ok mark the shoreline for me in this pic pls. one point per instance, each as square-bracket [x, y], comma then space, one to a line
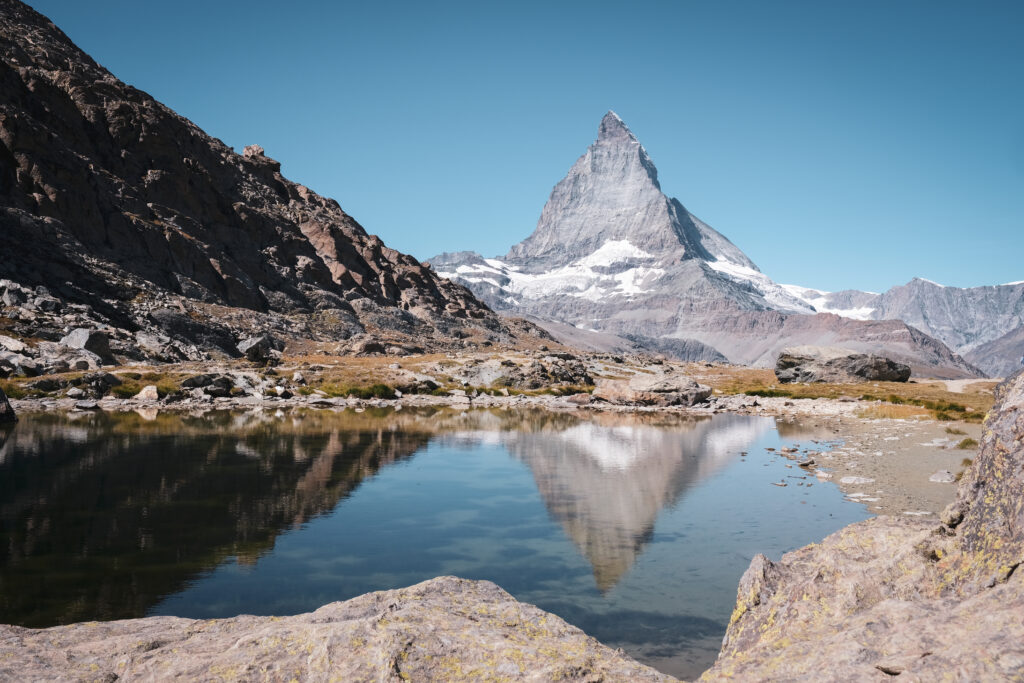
[883, 463]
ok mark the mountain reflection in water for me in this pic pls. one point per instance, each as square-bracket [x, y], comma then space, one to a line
[634, 527]
[104, 514]
[605, 480]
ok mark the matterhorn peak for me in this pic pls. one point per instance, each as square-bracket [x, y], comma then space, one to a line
[614, 128]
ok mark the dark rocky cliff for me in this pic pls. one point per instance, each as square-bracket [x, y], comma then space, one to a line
[109, 198]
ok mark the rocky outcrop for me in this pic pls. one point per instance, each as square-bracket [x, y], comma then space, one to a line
[893, 596]
[108, 199]
[442, 629]
[673, 389]
[831, 364]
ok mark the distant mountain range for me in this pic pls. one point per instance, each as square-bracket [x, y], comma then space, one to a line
[614, 262]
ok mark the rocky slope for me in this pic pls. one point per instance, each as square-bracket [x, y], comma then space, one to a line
[111, 201]
[613, 254]
[971, 321]
[1001, 357]
[893, 596]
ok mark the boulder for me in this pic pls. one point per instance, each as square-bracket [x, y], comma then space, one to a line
[832, 364]
[6, 411]
[258, 349]
[200, 381]
[444, 629]
[94, 341]
[670, 389]
[148, 393]
[893, 596]
[11, 344]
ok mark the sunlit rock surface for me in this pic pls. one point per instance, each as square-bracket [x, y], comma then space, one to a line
[893, 596]
[443, 629]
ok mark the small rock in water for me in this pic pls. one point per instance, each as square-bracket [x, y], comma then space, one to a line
[943, 477]
[779, 483]
[806, 463]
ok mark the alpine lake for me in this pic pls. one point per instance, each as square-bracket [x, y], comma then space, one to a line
[634, 527]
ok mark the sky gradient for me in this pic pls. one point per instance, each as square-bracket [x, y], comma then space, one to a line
[840, 145]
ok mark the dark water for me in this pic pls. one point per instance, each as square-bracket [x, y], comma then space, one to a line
[635, 528]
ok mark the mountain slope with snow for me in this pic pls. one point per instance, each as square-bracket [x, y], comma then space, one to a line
[612, 254]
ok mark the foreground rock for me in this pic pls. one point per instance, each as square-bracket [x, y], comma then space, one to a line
[442, 629]
[894, 596]
[830, 364]
[6, 411]
[653, 390]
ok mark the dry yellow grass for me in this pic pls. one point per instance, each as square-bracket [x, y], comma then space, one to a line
[932, 397]
[891, 411]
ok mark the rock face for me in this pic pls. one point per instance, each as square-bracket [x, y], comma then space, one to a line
[612, 254]
[112, 202]
[653, 390]
[442, 629]
[1000, 357]
[830, 364]
[90, 340]
[893, 596]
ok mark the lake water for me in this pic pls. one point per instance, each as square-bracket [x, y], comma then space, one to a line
[635, 528]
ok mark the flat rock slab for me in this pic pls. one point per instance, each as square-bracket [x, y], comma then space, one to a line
[440, 630]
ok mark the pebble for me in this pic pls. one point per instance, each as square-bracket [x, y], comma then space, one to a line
[856, 480]
[943, 477]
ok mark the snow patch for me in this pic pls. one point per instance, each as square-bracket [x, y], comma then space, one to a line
[579, 278]
[774, 294]
[820, 301]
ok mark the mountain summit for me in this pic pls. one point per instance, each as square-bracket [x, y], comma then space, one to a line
[612, 195]
[616, 261]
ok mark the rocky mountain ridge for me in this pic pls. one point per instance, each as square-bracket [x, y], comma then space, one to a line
[613, 255]
[110, 200]
[985, 324]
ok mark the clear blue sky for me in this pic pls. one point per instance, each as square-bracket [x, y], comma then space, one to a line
[839, 144]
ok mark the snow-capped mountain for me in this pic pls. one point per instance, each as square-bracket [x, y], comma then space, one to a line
[613, 254]
[608, 235]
